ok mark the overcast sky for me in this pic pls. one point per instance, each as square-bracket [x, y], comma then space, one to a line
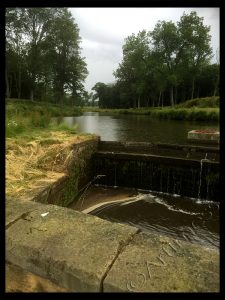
[103, 31]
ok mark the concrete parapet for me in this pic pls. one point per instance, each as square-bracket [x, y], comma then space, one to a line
[83, 253]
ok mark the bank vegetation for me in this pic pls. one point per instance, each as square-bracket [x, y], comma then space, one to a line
[38, 150]
[199, 109]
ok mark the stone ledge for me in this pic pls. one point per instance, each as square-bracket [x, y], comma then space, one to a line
[71, 249]
[154, 263]
[83, 253]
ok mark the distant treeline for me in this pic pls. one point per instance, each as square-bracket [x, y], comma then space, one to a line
[163, 67]
[43, 58]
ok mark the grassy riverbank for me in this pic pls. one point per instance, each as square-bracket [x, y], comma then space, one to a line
[26, 118]
[202, 109]
[37, 151]
[25, 106]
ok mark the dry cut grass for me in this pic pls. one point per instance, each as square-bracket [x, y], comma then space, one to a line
[32, 164]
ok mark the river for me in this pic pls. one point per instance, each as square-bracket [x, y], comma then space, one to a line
[138, 128]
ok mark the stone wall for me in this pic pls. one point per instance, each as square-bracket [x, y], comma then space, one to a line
[79, 172]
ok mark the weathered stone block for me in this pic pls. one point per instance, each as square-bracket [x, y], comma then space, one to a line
[154, 263]
[71, 249]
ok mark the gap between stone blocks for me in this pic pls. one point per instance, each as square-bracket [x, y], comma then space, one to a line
[120, 249]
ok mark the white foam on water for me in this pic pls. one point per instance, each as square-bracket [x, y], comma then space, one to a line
[160, 201]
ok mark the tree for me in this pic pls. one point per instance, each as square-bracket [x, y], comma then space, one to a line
[195, 39]
[166, 42]
[207, 80]
[167, 61]
[15, 55]
[69, 69]
[43, 54]
[36, 23]
[133, 70]
[100, 93]
[217, 73]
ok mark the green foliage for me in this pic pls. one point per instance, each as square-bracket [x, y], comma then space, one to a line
[43, 58]
[162, 67]
[168, 113]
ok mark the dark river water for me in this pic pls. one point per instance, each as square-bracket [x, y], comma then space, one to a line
[189, 219]
[135, 128]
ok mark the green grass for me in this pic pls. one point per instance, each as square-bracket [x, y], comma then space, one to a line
[15, 106]
[27, 118]
[192, 114]
[200, 109]
[208, 102]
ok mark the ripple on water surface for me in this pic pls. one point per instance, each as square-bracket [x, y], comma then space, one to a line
[189, 219]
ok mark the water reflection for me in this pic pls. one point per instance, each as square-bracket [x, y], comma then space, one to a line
[135, 127]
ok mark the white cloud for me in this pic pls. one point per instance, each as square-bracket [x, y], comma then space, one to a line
[103, 31]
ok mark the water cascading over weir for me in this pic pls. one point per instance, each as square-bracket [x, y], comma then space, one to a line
[189, 171]
[82, 252]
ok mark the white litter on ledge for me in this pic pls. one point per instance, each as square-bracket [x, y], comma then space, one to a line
[44, 214]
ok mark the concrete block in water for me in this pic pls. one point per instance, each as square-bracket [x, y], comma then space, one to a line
[210, 135]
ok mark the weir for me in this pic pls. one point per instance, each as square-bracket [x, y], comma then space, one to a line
[83, 253]
[189, 171]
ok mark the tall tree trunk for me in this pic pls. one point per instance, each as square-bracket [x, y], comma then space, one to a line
[175, 96]
[32, 86]
[198, 92]
[10, 85]
[7, 84]
[61, 93]
[171, 96]
[148, 100]
[160, 93]
[162, 98]
[184, 95]
[216, 85]
[193, 88]
[32, 94]
[19, 84]
[153, 101]
[16, 82]
[139, 101]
